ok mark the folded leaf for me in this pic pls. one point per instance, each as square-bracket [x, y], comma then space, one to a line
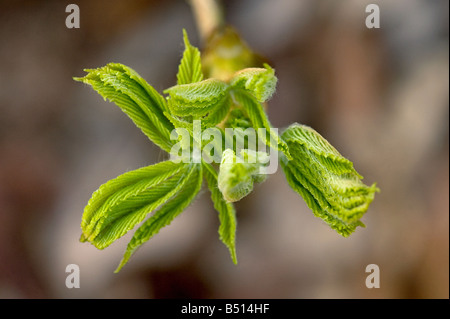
[314, 201]
[258, 118]
[238, 174]
[210, 119]
[237, 119]
[166, 213]
[326, 180]
[197, 99]
[123, 86]
[190, 69]
[227, 214]
[260, 82]
[125, 201]
[219, 113]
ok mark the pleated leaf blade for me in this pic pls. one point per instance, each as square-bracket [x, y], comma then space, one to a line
[260, 82]
[197, 99]
[327, 181]
[135, 97]
[186, 193]
[190, 68]
[258, 119]
[227, 213]
[120, 204]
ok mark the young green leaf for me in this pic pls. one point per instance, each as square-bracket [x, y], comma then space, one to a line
[227, 214]
[145, 106]
[125, 201]
[218, 113]
[237, 119]
[258, 162]
[234, 181]
[212, 118]
[168, 211]
[197, 99]
[210, 140]
[213, 144]
[314, 200]
[181, 122]
[259, 119]
[258, 81]
[237, 175]
[161, 171]
[326, 180]
[190, 69]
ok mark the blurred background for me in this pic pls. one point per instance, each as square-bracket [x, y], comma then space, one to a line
[380, 96]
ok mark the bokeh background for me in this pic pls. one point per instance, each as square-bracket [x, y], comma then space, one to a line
[380, 96]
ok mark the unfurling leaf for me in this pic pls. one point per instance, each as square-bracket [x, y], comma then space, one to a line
[227, 214]
[238, 174]
[197, 99]
[190, 186]
[123, 86]
[326, 180]
[118, 205]
[257, 81]
[258, 119]
[190, 69]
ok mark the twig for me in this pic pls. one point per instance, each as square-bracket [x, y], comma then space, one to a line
[208, 16]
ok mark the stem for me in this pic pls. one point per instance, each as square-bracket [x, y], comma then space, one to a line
[208, 16]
